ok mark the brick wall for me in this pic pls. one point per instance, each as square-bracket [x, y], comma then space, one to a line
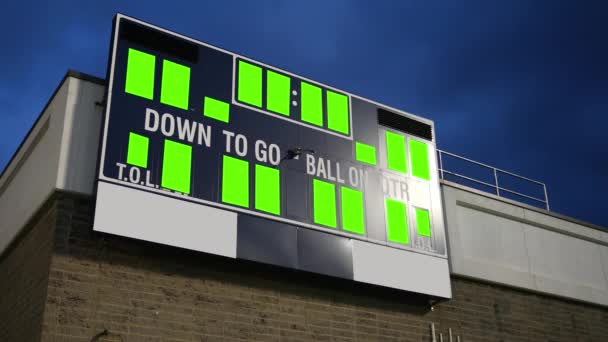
[140, 291]
[24, 271]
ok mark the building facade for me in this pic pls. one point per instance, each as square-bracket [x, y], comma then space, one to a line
[518, 273]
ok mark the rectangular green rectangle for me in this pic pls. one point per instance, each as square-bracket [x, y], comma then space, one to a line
[365, 153]
[396, 221]
[324, 203]
[278, 92]
[395, 152]
[249, 85]
[235, 181]
[175, 85]
[177, 162]
[353, 218]
[311, 106]
[419, 154]
[140, 74]
[216, 109]
[268, 189]
[137, 152]
[337, 112]
[423, 222]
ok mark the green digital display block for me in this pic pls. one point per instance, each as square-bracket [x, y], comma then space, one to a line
[337, 112]
[365, 153]
[235, 181]
[423, 222]
[278, 92]
[419, 155]
[137, 152]
[395, 152]
[249, 86]
[267, 189]
[216, 109]
[353, 219]
[177, 165]
[311, 110]
[175, 85]
[140, 74]
[324, 203]
[396, 221]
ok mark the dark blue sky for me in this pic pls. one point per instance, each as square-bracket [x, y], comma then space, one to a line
[520, 85]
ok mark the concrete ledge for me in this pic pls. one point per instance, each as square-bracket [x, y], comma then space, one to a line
[504, 242]
[531, 214]
[59, 152]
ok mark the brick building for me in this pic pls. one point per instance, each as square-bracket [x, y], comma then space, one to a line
[518, 273]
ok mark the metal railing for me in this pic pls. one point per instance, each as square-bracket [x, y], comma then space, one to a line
[496, 172]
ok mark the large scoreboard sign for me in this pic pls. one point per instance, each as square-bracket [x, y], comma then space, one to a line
[212, 151]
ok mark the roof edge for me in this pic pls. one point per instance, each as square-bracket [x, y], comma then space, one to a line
[84, 76]
[526, 206]
[69, 73]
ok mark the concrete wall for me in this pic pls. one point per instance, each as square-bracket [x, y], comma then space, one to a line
[24, 275]
[81, 134]
[30, 177]
[60, 152]
[507, 243]
[141, 291]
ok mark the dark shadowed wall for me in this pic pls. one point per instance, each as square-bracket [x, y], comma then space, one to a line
[139, 291]
[24, 274]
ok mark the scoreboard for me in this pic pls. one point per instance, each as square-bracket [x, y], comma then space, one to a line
[212, 151]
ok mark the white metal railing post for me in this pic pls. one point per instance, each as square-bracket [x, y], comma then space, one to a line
[496, 182]
[546, 197]
[440, 164]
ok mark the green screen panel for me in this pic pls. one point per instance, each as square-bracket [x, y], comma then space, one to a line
[278, 92]
[324, 203]
[249, 84]
[177, 160]
[267, 189]
[137, 152]
[175, 85]
[235, 181]
[216, 109]
[395, 152]
[311, 104]
[337, 112]
[423, 222]
[396, 221]
[419, 154]
[353, 218]
[365, 153]
[140, 74]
